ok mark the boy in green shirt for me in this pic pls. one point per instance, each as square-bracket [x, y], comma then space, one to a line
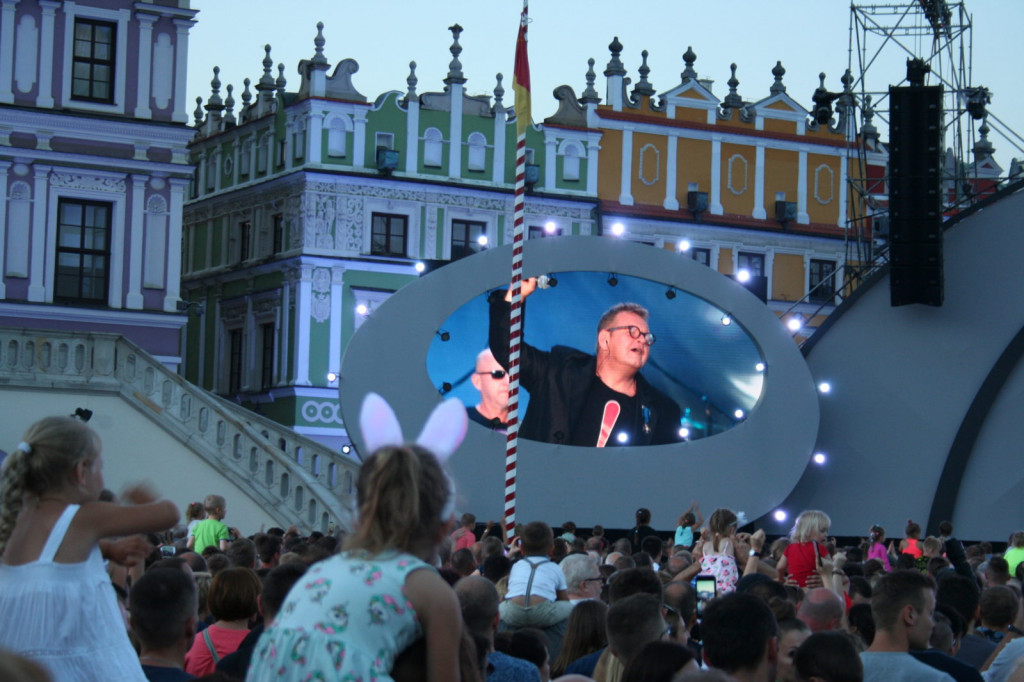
[211, 531]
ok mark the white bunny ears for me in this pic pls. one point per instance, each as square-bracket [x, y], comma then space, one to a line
[443, 433]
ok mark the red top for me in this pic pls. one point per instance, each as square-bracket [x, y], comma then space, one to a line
[199, 661]
[912, 548]
[801, 562]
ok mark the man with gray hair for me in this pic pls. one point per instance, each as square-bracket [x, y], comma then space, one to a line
[582, 576]
[589, 400]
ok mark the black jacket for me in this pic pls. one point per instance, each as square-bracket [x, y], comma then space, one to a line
[559, 381]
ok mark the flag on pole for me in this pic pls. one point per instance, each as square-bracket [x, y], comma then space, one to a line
[521, 78]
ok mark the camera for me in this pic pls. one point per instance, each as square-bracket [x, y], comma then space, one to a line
[167, 550]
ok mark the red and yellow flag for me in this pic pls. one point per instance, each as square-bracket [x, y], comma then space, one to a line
[521, 78]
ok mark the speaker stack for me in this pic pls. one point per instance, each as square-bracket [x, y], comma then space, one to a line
[915, 195]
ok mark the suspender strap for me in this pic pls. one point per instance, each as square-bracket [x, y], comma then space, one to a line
[529, 582]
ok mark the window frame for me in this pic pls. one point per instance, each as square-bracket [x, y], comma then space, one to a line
[469, 245]
[817, 297]
[235, 366]
[268, 343]
[81, 250]
[120, 18]
[93, 62]
[751, 255]
[388, 236]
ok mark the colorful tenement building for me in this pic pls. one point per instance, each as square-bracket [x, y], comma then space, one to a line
[310, 203]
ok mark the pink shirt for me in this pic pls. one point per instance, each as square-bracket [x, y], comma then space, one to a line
[877, 551]
[199, 661]
[464, 539]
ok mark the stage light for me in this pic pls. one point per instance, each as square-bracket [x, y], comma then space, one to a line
[622, 437]
[743, 276]
[332, 377]
[819, 458]
[794, 323]
[420, 266]
[825, 387]
[780, 515]
[759, 367]
[83, 413]
[683, 246]
[445, 387]
[482, 240]
[726, 320]
[443, 335]
[613, 281]
[618, 229]
[739, 414]
[362, 309]
[550, 227]
[671, 293]
[346, 449]
[684, 433]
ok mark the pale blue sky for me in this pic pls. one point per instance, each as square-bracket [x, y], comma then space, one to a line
[809, 36]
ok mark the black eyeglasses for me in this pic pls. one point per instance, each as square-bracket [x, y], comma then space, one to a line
[635, 332]
[599, 579]
[495, 373]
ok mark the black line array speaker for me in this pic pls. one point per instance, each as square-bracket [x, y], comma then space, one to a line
[915, 195]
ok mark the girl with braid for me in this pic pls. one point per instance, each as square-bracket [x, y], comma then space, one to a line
[57, 605]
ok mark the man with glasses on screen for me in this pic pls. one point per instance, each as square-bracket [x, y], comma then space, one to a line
[589, 400]
[491, 380]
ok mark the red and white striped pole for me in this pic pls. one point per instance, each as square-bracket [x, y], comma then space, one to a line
[521, 87]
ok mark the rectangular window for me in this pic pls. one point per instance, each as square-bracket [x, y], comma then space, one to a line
[278, 236]
[83, 250]
[821, 281]
[384, 140]
[465, 237]
[267, 356]
[753, 263]
[388, 235]
[92, 63]
[234, 361]
[702, 256]
[538, 231]
[244, 240]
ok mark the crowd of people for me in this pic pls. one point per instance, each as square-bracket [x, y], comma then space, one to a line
[99, 589]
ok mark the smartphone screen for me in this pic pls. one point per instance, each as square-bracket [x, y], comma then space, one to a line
[707, 589]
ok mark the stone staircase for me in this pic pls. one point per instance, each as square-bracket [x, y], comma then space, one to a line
[295, 479]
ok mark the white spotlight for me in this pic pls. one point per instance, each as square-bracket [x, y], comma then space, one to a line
[550, 227]
[332, 377]
[362, 309]
[618, 229]
[759, 367]
[684, 432]
[482, 240]
[780, 515]
[739, 414]
[794, 323]
[726, 320]
[819, 458]
[825, 387]
[743, 276]
[683, 246]
[420, 266]
[622, 437]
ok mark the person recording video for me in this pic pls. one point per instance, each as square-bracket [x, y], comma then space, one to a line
[589, 400]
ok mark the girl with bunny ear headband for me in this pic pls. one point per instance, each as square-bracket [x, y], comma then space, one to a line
[354, 613]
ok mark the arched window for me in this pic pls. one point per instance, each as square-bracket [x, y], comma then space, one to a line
[477, 152]
[337, 138]
[433, 152]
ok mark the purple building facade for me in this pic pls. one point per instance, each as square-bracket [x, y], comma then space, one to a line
[94, 168]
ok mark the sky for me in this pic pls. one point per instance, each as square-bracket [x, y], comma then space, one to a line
[809, 37]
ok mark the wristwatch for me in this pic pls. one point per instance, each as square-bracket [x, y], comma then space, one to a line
[754, 552]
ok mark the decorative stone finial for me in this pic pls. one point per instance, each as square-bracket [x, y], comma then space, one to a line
[615, 67]
[246, 95]
[198, 113]
[499, 91]
[267, 79]
[215, 103]
[455, 74]
[590, 95]
[280, 83]
[229, 105]
[319, 60]
[689, 57]
[983, 147]
[411, 81]
[733, 99]
[868, 131]
[778, 71]
[643, 87]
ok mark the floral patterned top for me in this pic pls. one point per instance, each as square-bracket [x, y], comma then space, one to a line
[346, 619]
[722, 565]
